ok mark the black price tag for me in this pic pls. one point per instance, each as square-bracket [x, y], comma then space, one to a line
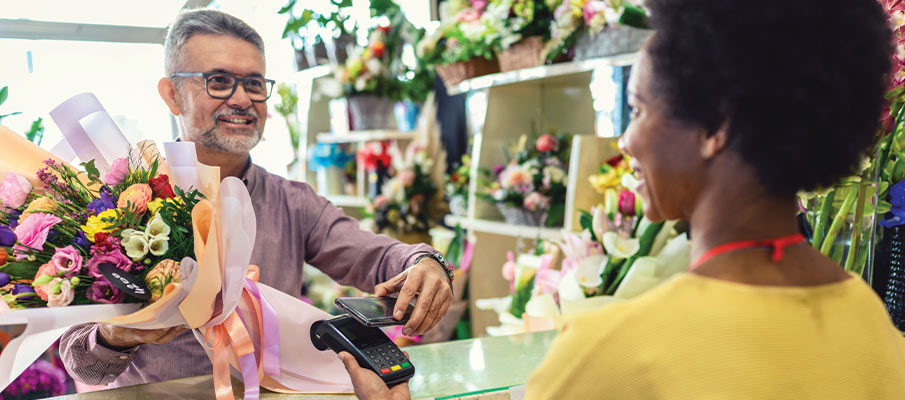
[125, 281]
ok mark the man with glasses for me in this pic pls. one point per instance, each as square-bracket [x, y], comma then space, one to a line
[215, 84]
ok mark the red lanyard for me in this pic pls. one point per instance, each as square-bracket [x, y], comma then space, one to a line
[778, 245]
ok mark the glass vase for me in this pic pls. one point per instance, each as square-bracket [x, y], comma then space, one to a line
[844, 224]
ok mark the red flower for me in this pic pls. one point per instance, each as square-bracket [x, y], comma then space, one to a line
[378, 49]
[546, 143]
[613, 162]
[101, 237]
[384, 29]
[161, 188]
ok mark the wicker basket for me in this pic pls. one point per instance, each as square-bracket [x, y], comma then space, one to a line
[371, 112]
[616, 39]
[521, 216]
[526, 53]
[460, 71]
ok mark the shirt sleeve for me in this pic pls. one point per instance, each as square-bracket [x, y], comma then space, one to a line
[91, 362]
[337, 246]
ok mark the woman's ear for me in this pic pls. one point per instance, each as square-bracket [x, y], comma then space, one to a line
[169, 95]
[713, 144]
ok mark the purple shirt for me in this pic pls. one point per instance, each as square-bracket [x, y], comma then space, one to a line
[295, 226]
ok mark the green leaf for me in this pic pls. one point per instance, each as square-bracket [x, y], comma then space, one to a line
[36, 132]
[93, 173]
[21, 269]
[287, 7]
[4, 93]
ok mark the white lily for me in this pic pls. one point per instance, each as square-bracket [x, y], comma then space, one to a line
[569, 289]
[629, 182]
[588, 271]
[157, 229]
[599, 221]
[136, 246]
[619, 247]
[159, 246]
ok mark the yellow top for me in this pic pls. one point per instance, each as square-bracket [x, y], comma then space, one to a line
[701, 338]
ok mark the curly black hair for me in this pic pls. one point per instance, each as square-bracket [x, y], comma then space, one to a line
[800, 82]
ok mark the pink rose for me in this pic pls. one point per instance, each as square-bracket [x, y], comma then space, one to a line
[136, 197]
[627, 202]
[33, 232]
[479, 5]
[67, 259]
[469, 15]
[13, 191]
[117, 173]
[546, 143]
[591, 9]
[115, 257]
[66, 295]
[407, 177]
[42, 290]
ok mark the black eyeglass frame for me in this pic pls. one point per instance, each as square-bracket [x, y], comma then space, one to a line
[238, 79]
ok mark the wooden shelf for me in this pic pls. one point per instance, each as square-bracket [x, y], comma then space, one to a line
[347, 201]
[363, 136]
[541, 72]
[504, 229]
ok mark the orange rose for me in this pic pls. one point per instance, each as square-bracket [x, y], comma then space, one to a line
[136, 197]
[38, 205]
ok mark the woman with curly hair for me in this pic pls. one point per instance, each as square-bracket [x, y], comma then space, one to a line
[736, 106]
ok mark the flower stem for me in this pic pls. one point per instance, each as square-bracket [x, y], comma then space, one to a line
[822, 218]
[855, 243]
[837, 222]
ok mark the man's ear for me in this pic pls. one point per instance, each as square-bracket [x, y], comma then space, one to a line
[713, 144]
[169, 95]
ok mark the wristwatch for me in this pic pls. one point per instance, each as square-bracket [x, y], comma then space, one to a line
[443, 263]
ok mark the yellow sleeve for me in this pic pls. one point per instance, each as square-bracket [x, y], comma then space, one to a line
[588, 360]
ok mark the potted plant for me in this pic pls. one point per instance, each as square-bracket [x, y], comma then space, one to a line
[457, 186]
[318, 37]
[465, 44]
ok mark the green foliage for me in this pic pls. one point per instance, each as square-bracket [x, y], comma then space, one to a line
[178, 217]
[586, 220]
[35, 133]
[21, 269]
[520, 298]
[4, 94]
[288, 107]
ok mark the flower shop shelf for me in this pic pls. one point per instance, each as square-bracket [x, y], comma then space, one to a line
[504, 229]
[363, 136]
[347, 201]
[541, 72]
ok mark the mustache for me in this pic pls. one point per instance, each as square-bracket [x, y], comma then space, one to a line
[233, 111]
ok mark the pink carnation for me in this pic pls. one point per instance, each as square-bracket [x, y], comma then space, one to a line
[67, 259]
[33, 232]
[117, 173]
[136, 197]
[592, 9]
[14, 190]
[546, 143]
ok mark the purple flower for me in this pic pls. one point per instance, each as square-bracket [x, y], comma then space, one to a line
[102, 291]
[80, 240]
[498, 169]
[7, 236]
[115, 257]
[104, 203]
[67, 259]
[41, 379]
[14, 218]
[21, 288]
[4, 279]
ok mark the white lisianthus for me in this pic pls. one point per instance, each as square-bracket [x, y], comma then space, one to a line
[619, 247]
[159, 247]
[588, 271]
[64, 297]
[157, 229]
[136, 246]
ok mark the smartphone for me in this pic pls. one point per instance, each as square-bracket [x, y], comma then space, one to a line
[373, 311]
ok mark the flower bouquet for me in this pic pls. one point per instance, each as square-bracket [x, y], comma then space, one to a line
[136, 241]
[368, 81]
[531, 188]
[457, 186]
[527, 29]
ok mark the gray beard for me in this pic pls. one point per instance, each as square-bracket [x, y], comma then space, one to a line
[228, 144]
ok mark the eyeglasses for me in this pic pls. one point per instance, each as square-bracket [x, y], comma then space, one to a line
[222, 85]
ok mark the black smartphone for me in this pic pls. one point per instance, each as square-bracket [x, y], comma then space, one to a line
[373, 311]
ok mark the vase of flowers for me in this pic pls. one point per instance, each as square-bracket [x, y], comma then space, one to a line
[409, 202]
[376, 159]
[527, 28]
[457, 186]
[530, 189]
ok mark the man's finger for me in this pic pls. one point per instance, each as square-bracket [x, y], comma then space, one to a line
[443, 308]
[390, 286]
[168, 335]
[422, 307]
[435, 314]
[407, 293]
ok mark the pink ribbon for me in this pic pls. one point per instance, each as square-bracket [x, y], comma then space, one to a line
[270, 335]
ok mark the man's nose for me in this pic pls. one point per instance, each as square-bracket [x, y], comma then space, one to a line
[240, 98]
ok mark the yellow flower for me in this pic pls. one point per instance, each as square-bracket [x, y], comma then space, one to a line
[155, 205]
[96, 224]
[41, 204]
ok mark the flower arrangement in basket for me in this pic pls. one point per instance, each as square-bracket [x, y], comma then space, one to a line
[465, 44]
[527, 30]
[596, 28]
[55, 245]
[531, 188]
[457, 186]
[409, 200]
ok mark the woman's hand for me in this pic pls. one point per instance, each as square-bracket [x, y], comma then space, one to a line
[369, 386]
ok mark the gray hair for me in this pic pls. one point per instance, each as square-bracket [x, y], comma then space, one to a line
[203, 21]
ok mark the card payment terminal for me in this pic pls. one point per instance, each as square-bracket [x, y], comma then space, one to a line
[370, 346]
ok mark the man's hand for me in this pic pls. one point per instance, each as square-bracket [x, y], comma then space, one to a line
[369, 386]
[428, 279]
[119, 337]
